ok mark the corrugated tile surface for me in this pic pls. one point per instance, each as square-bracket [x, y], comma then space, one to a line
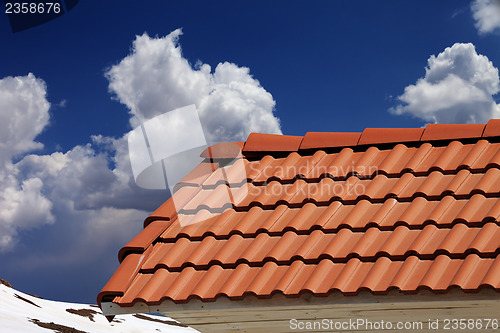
[425, 243]
[379, 277]
[346, 212]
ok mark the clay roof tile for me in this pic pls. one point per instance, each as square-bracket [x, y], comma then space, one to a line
[452, 131]
[319, 140]
[291, 215]
[259, 142]
[492, 128]
[371, 136]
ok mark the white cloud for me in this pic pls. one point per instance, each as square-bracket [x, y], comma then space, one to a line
[22, 206]
[487, 15]
[23, 114]
[38, 189]
[458, 87]
[86, 199]
[88, 191]
[156, 78]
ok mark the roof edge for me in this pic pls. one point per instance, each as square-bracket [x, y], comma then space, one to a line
[269, 143]
[485, 292]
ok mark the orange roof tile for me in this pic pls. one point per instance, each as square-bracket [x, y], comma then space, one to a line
[258, 142]
[492, 128]
[405, 209]
[317, 140]
[452, 131]
[372, 136]
[223, 150]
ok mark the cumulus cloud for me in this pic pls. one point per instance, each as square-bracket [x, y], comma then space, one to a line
[37, 190]
[156, 78]
[486, 13]
[458, 87]
[23, 114]
[22, 206]
[88, 191]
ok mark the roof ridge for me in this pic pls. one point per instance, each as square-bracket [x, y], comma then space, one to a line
[260, 142]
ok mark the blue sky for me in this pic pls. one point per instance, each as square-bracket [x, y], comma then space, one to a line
[66, 200]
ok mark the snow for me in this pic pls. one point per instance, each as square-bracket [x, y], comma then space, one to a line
[20, 312]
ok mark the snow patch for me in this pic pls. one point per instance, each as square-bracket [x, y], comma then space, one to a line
[20, 312]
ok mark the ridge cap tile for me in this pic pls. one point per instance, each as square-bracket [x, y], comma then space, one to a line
[318, 140]
[372, 136]
[261, 142]
[123, 277]
[144, 239]
[435, 132]
[223, 150]
[492, 128]
[166, 212]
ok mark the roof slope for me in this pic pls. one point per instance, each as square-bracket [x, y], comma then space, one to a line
[404, 209]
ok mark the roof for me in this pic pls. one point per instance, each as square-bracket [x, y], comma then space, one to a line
[392, 208]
